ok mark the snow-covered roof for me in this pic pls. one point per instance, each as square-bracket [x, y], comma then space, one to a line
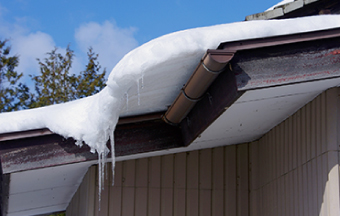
[148, 79]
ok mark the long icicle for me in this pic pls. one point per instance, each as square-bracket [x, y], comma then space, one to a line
[99, 178]
[138, 93]
[113, 158]
[127, 101]
[142, 78]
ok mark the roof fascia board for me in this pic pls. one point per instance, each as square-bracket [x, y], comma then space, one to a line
[53, 150]
[46, 131]
[24, 134]
[287, 64]
[235, 46]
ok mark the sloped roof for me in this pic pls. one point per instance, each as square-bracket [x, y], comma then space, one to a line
[297, 8]
[149, 77]
[171, 60]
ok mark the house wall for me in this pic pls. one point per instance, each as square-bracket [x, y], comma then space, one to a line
[295, 167]
[292, 170]
[193, 183]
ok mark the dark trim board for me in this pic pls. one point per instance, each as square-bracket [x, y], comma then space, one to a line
[287, 64]
[53, 150]
[4, 192]
[146, 137]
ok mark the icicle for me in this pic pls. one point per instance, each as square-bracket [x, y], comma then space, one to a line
[142, 80]
[127, 101]
[100, 177]
[101, 173]
[103, 170]
[138, 93]
[113, 158]
[106, 173]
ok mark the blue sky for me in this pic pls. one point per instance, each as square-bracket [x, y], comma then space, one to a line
[112, 28]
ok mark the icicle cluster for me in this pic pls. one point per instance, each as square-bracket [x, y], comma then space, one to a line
[101, 148]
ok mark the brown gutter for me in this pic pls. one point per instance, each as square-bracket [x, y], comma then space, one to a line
[214, 61]
[211, 65]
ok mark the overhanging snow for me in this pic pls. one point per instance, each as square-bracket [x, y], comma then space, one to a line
[171, 57]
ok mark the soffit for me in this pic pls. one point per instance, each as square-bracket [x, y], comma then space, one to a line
[46, 190]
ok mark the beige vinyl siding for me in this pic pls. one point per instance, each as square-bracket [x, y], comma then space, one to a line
[83, 201]
[192, 183]
[295, 166]
[291, 170]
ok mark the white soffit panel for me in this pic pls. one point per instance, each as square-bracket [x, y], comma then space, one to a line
[258, 111]
[44, 190]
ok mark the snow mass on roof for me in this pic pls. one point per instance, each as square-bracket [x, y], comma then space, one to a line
[93, 119]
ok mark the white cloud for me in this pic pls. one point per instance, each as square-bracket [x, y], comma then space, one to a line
[107, 39]
[26, 44]
[29, 48]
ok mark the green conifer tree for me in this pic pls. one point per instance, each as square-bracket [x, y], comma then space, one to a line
[91, 80]
[56, 84]
[14, 95]
[53, 85]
